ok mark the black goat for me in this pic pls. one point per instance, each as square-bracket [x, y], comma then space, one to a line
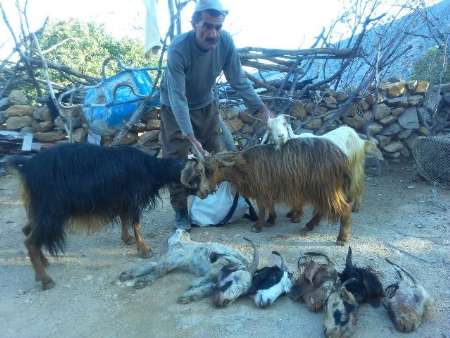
[88, 183]
[365, 286]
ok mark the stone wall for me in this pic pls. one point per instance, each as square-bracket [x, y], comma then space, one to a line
[394, 116]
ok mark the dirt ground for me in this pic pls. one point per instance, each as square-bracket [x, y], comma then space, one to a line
[402, 218]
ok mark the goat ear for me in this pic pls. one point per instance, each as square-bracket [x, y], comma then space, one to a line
[187, 173]
[347, 296]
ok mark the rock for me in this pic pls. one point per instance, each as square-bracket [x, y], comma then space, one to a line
[79, 135]
[381, 110]
[2, 117]
[17, 97]
[42, 114]
[19, 110]
[4, 102]
[149, 136]
[235, 124]
[49, 137]
[423, 131]
[411, 140]
[356, 122]
[130, 138]
[404, 134]
[393, 155]
[321, 109]
[309, 107]
[313, 124]
[393, 147]
[383, 141]
[394, 89]
[247, 129]
[412, 85]
[409, 119]
[231, 112]
[388, 120]
[374, 128]
[330, 102]
[298, 110]
[152, 114]
[401, 101]
[405, 152]
[370, 99]
[416, 100]
[391, 130]
[59, 123]
[246, 117]
[26, 130]
[368, 115]
[364, 106]
[422, 87]
[44, 126]
[153, 124]
[341, 96]
[18, 122]
[397, 111]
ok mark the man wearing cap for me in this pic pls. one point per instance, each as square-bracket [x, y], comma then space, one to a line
[189, 115]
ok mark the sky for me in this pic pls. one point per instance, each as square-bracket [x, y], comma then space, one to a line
[286, 24]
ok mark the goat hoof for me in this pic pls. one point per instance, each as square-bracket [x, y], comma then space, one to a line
[256, 229]
[144, 251]
[183, 300]
[340, 242]
[128, 240]
[47, 284]
[304, 231]
[140, 284]
[125, 275]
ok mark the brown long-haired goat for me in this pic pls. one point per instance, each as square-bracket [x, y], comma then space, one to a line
[303, 171]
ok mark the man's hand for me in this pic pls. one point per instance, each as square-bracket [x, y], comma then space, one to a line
[197, 145]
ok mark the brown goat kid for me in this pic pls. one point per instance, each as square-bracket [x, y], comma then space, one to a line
[303, 171]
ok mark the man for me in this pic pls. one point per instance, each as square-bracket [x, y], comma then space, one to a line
[189, 115]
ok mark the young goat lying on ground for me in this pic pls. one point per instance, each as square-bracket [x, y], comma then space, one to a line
[303, 171]
[341, 314]
[315, 281]
[91, 184]
[363, 283]
[346, 138]
[407, 302]
[269, 283]
[223, 271]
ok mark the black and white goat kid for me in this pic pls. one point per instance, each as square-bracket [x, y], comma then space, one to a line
[88, 186]
[341, 313]
[269, 283]
[406, 301]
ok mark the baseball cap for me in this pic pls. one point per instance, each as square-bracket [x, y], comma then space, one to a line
[216, 5]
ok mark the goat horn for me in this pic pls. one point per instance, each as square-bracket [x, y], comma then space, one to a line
[348, 260]
[319, 254]
[347, 282]
[197, 152]
[287, 115]
[254, 265]
[283, 264]
[402, 269]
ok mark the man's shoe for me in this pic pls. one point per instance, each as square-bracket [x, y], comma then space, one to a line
[182, 220]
